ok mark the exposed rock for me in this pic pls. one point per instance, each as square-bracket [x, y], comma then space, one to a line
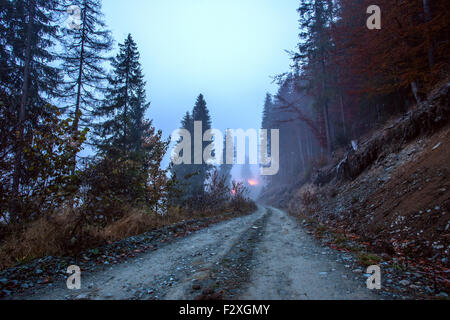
[405, 283]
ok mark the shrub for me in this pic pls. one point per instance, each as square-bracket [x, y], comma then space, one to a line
[218, 193]
[46, 172]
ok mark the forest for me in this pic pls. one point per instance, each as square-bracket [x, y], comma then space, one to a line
[347, 80]
[64, 89]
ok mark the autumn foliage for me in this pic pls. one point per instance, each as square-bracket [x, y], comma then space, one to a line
[347, 79]
[411, 46]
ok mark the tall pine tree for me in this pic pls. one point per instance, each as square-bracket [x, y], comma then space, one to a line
[183, 173]
[6, 63]
[84, 52]
[201, 113]
[267, 112]
[124, 105]
[130, 149]
[313, 56]
[29, 77]
[192, 177]
[268, 121]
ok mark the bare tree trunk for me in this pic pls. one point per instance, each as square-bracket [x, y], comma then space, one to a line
[77, 117]
[304, 151]
[323, 93]
[343, 115]
[80, 73]
[310, 147]
[300, 144]
[415, 91]
[427, 14]
[328, 130]
[23, 103]
[125, 129]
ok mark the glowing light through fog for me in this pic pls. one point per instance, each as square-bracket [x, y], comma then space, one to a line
[253, 183]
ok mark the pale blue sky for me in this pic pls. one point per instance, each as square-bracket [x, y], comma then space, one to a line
[225, 49]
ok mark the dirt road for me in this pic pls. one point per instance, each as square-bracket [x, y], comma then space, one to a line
[265, 255]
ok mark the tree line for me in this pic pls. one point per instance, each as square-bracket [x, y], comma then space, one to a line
[204, 186]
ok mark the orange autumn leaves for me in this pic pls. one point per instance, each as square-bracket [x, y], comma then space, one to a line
[412, 45]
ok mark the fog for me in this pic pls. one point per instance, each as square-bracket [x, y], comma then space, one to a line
[226, 50]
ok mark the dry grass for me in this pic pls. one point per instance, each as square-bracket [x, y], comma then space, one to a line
[62, 234]
[308, 195]
[138, 222]
[53, 235]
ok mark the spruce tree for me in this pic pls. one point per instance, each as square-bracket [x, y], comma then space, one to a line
[313, 56]
[191, 178]
[6, 63]
[29, 77]
[183, 173]
[268, 121]
[31, 37]
[130, 150]
[84, 52]
[201, 113]
[124, 105]
[267, 111]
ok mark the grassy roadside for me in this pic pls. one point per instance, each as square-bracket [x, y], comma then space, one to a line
[55, 236]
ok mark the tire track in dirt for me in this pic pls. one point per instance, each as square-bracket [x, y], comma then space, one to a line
[228, 276]
[290, 265]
